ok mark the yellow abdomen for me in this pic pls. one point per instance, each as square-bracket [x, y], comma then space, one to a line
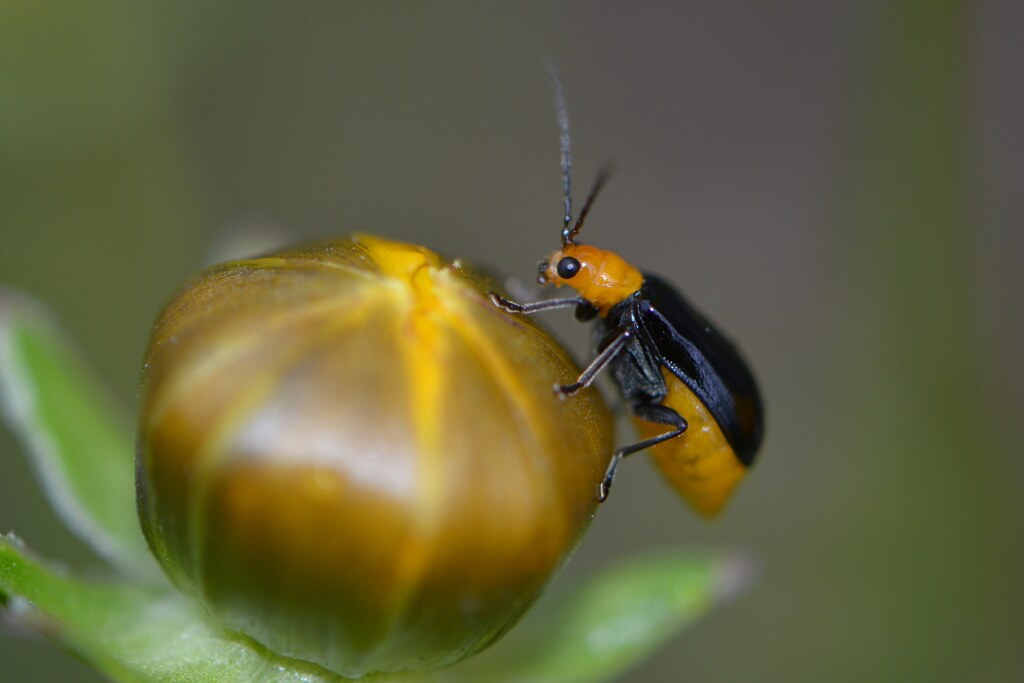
[700, 464]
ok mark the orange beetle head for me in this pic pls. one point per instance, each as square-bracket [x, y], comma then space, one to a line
[601, 277]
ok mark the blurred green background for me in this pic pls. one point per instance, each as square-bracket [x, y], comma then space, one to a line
[838, 183]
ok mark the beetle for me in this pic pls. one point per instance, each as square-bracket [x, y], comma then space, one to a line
[672, 366]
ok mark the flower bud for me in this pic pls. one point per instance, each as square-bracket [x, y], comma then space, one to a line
[348, 453]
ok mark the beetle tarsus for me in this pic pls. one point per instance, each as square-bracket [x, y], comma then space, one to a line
[505, 304]
[569, 390]
[606, 484]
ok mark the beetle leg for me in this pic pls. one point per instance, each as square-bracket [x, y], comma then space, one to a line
[587, 377]
[654, 412]
[525, 309]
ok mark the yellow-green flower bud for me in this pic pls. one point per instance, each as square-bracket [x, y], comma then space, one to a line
[348, 453]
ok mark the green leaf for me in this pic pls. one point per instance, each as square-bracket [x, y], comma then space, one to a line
[609, 624]
[590, 634]
[79, 440]
[139, 634]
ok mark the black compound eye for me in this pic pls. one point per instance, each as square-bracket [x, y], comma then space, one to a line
[568, 267]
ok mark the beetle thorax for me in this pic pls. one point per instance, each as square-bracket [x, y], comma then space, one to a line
[604, 278]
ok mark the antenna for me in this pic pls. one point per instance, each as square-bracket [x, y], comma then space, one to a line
[562, 110]
[568, 234]
[602, 178]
